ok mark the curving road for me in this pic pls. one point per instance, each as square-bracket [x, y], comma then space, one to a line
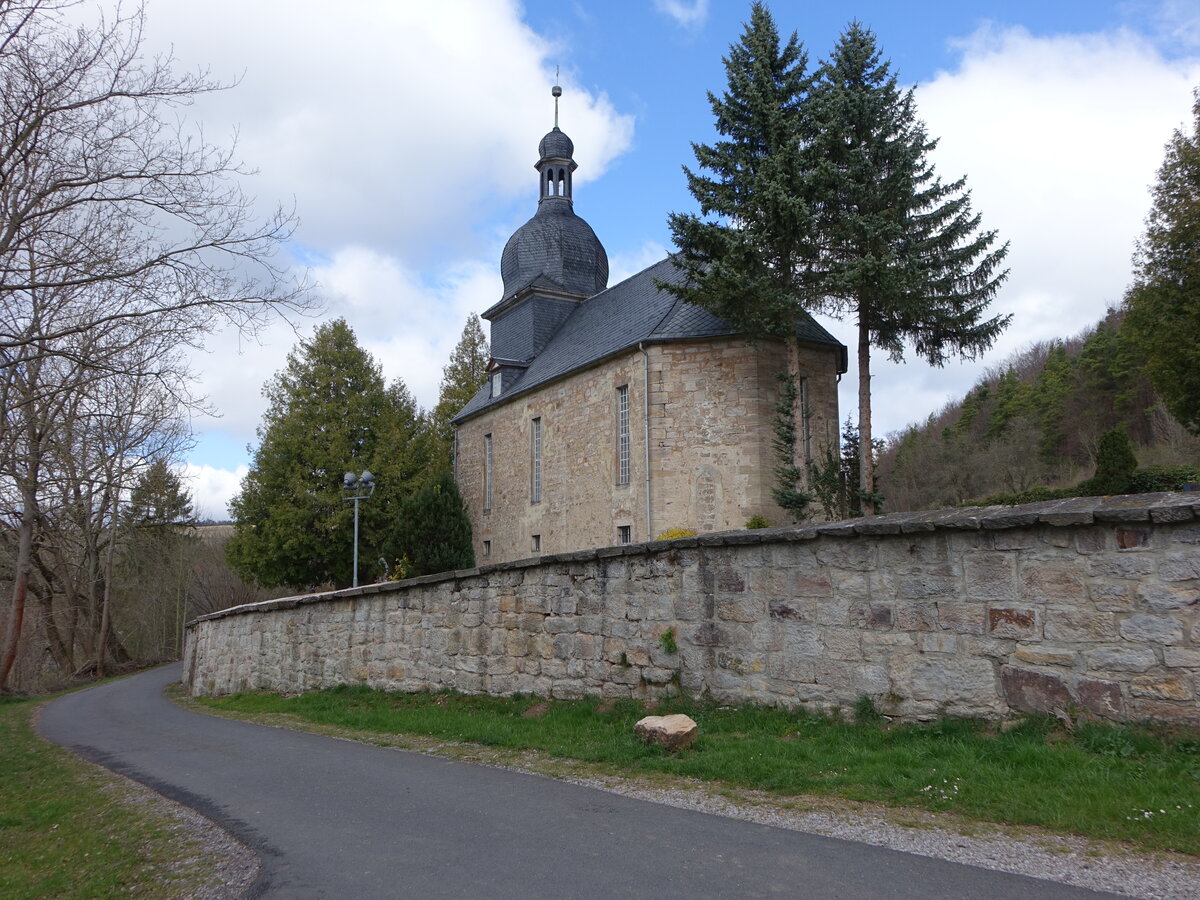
[333, 818]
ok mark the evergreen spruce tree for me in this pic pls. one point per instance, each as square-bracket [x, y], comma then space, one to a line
[330, 413]
[1115, 465]
[432, 532]
[158, 499]
[900, 250]
[747, 255]
[1163, 304]
[462, 378]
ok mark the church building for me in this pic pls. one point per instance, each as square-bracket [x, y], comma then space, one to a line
[613, 414]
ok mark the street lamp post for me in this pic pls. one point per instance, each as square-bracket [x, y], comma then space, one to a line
[357, 487]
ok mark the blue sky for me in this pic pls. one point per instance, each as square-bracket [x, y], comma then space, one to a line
[406, 135]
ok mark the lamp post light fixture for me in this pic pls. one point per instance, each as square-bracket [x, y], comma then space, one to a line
[357, 487]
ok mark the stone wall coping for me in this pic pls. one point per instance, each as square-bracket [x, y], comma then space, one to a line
[1176, 506]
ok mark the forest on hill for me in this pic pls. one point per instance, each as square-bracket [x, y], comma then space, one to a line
[1037, 420]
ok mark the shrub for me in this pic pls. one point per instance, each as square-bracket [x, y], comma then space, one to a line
[757, 521]
[672, 534]
[1115, 464]
[1162, 478]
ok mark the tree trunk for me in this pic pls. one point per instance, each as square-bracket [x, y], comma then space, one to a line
[20, 583]
[866, 458]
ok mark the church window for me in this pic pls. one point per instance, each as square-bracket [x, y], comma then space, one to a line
[625, 534]
[487, 549]
[535, 462]
[487, 473]
[537, 543]
[623, 434]
[497, 382]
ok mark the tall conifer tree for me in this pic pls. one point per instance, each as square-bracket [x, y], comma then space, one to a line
[900, 250]
[747, 258]
[749, 253]
[462, 378]
[1163, 304]
[330, 413]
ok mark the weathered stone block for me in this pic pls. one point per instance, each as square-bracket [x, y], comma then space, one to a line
[810, 583]
[871, 615]
[1155, 629]
[1181, 658]
[1170, 687]
[673, 733]
[1075, 624]
[1179, 567]
[947, 680]
[1053, 582]
[1013, 622]
[842, 643]
[1016, 539]
[1121, 659]
[1101, 698]
[989, 576]
[916, 616]
[791, 667]
[1043, 655]
[1113, 597]
[1132, 538]
[1168, 596]
[1129, 566]
[852, 555]
[1031, 691]
[938, 642]
[964, 618]
[741, 609]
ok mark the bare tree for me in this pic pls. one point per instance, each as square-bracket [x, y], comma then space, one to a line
[124, 237]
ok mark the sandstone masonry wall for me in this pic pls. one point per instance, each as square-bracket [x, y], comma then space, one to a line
[1084, 605]
[711, 412]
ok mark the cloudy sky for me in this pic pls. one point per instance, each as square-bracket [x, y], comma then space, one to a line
[405, 135]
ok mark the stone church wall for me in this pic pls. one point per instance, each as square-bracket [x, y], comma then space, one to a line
[1082, 605]
[712, 404]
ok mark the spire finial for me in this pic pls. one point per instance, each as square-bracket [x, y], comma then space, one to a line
[556, 92]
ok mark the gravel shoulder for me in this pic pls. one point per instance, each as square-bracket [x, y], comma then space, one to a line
[1099, 865]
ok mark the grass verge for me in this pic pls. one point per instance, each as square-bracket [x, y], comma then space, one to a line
[70, 830]
[1133, 784]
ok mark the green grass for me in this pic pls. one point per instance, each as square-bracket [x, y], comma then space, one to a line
[1108, 782]
[68, 829]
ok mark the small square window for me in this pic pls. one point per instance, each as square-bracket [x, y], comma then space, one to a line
[537, 543]
[487, 549]
[625, 534]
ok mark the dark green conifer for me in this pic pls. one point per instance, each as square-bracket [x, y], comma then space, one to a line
[330, 413]
[1164, 302]
[901, 252]
[432, 532]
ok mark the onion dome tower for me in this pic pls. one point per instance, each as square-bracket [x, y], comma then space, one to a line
[551, 263]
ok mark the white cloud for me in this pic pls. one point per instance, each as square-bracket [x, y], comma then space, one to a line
[211, 488]
[402, 127]
[1060, 138]
[686, 15]
[623, 265]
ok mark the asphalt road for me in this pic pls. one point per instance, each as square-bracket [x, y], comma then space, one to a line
[338, 819]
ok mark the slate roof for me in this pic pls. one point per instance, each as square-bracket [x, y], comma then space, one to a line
[556, 145]
[556, 244]
[618, 319]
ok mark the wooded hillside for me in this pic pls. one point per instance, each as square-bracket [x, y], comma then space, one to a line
[1036, 419]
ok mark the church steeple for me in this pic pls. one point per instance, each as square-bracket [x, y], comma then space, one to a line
[551, 263]
[556, 163]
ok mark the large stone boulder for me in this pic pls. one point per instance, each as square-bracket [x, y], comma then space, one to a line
[672, 732]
